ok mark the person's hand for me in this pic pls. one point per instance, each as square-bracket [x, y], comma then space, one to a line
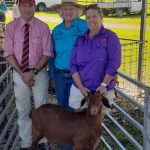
[31, 83]
[28, 78]
[84, 91]
[102, 89]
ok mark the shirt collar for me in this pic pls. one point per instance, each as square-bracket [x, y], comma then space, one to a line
[102, 31]
[23, 22]
[74, 23]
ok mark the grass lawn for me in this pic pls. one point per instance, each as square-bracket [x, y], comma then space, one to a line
[127, 19]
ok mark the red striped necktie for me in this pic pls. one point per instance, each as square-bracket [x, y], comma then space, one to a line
[25, 54]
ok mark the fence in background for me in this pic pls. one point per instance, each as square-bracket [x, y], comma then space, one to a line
[8, 124]
[127, 127]
[130, 60]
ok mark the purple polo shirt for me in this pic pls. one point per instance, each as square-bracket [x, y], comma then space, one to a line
[93, 58]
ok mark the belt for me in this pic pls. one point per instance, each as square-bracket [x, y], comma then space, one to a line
[63, 70]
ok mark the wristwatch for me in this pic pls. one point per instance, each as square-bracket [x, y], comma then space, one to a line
[35, 71]
[103, 84]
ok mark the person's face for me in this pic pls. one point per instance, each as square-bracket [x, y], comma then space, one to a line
[69, 13]
[93, 19]
[27, 11]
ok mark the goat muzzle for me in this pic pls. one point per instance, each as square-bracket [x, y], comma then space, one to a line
[94, 111]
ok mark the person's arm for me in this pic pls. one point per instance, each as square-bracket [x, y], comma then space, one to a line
[102, 88]
[9, 49]
[51, 63]
[14, 63]
[42, 62]
[47, 49]
[9, 54]
[74, 70]
[114, 54]
[114, 61]
[78, 82]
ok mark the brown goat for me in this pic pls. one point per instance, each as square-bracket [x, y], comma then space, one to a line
[81, 130]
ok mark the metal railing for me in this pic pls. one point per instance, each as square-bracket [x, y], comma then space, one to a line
[8, 127]
[128, 132]
[130, 60]
[8, 112]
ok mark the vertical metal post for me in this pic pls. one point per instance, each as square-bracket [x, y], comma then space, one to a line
[142, 38]
[146, 136]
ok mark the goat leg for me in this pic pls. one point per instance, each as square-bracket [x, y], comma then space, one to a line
[35, 144]
[36, 137]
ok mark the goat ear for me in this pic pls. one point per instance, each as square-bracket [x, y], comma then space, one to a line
[83, 101]
[106, 102]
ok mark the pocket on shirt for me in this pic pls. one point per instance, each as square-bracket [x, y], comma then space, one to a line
[101, 45]
[18, 44]
[83, 56]
[101, 51]
[37, 46]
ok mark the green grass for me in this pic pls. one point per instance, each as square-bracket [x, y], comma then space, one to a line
[130, 33]
[127, 19]
[47, 13]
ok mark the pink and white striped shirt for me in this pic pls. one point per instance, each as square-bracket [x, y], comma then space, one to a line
[40, 42]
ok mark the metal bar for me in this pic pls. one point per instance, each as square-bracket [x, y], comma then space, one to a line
[13, 132]
[142, 38]
[113, 137]
[128, 39]
[129, 137]
[105, 142]
[15, 142]
[5, 92]
[127, 44]
[133, 81]
[130, 99]
[3, 133]
[129, 118]
[146, 137]
[3, 62]
[3, 76]
[6, 109]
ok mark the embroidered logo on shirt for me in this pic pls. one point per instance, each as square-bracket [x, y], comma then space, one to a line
[103, 40]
